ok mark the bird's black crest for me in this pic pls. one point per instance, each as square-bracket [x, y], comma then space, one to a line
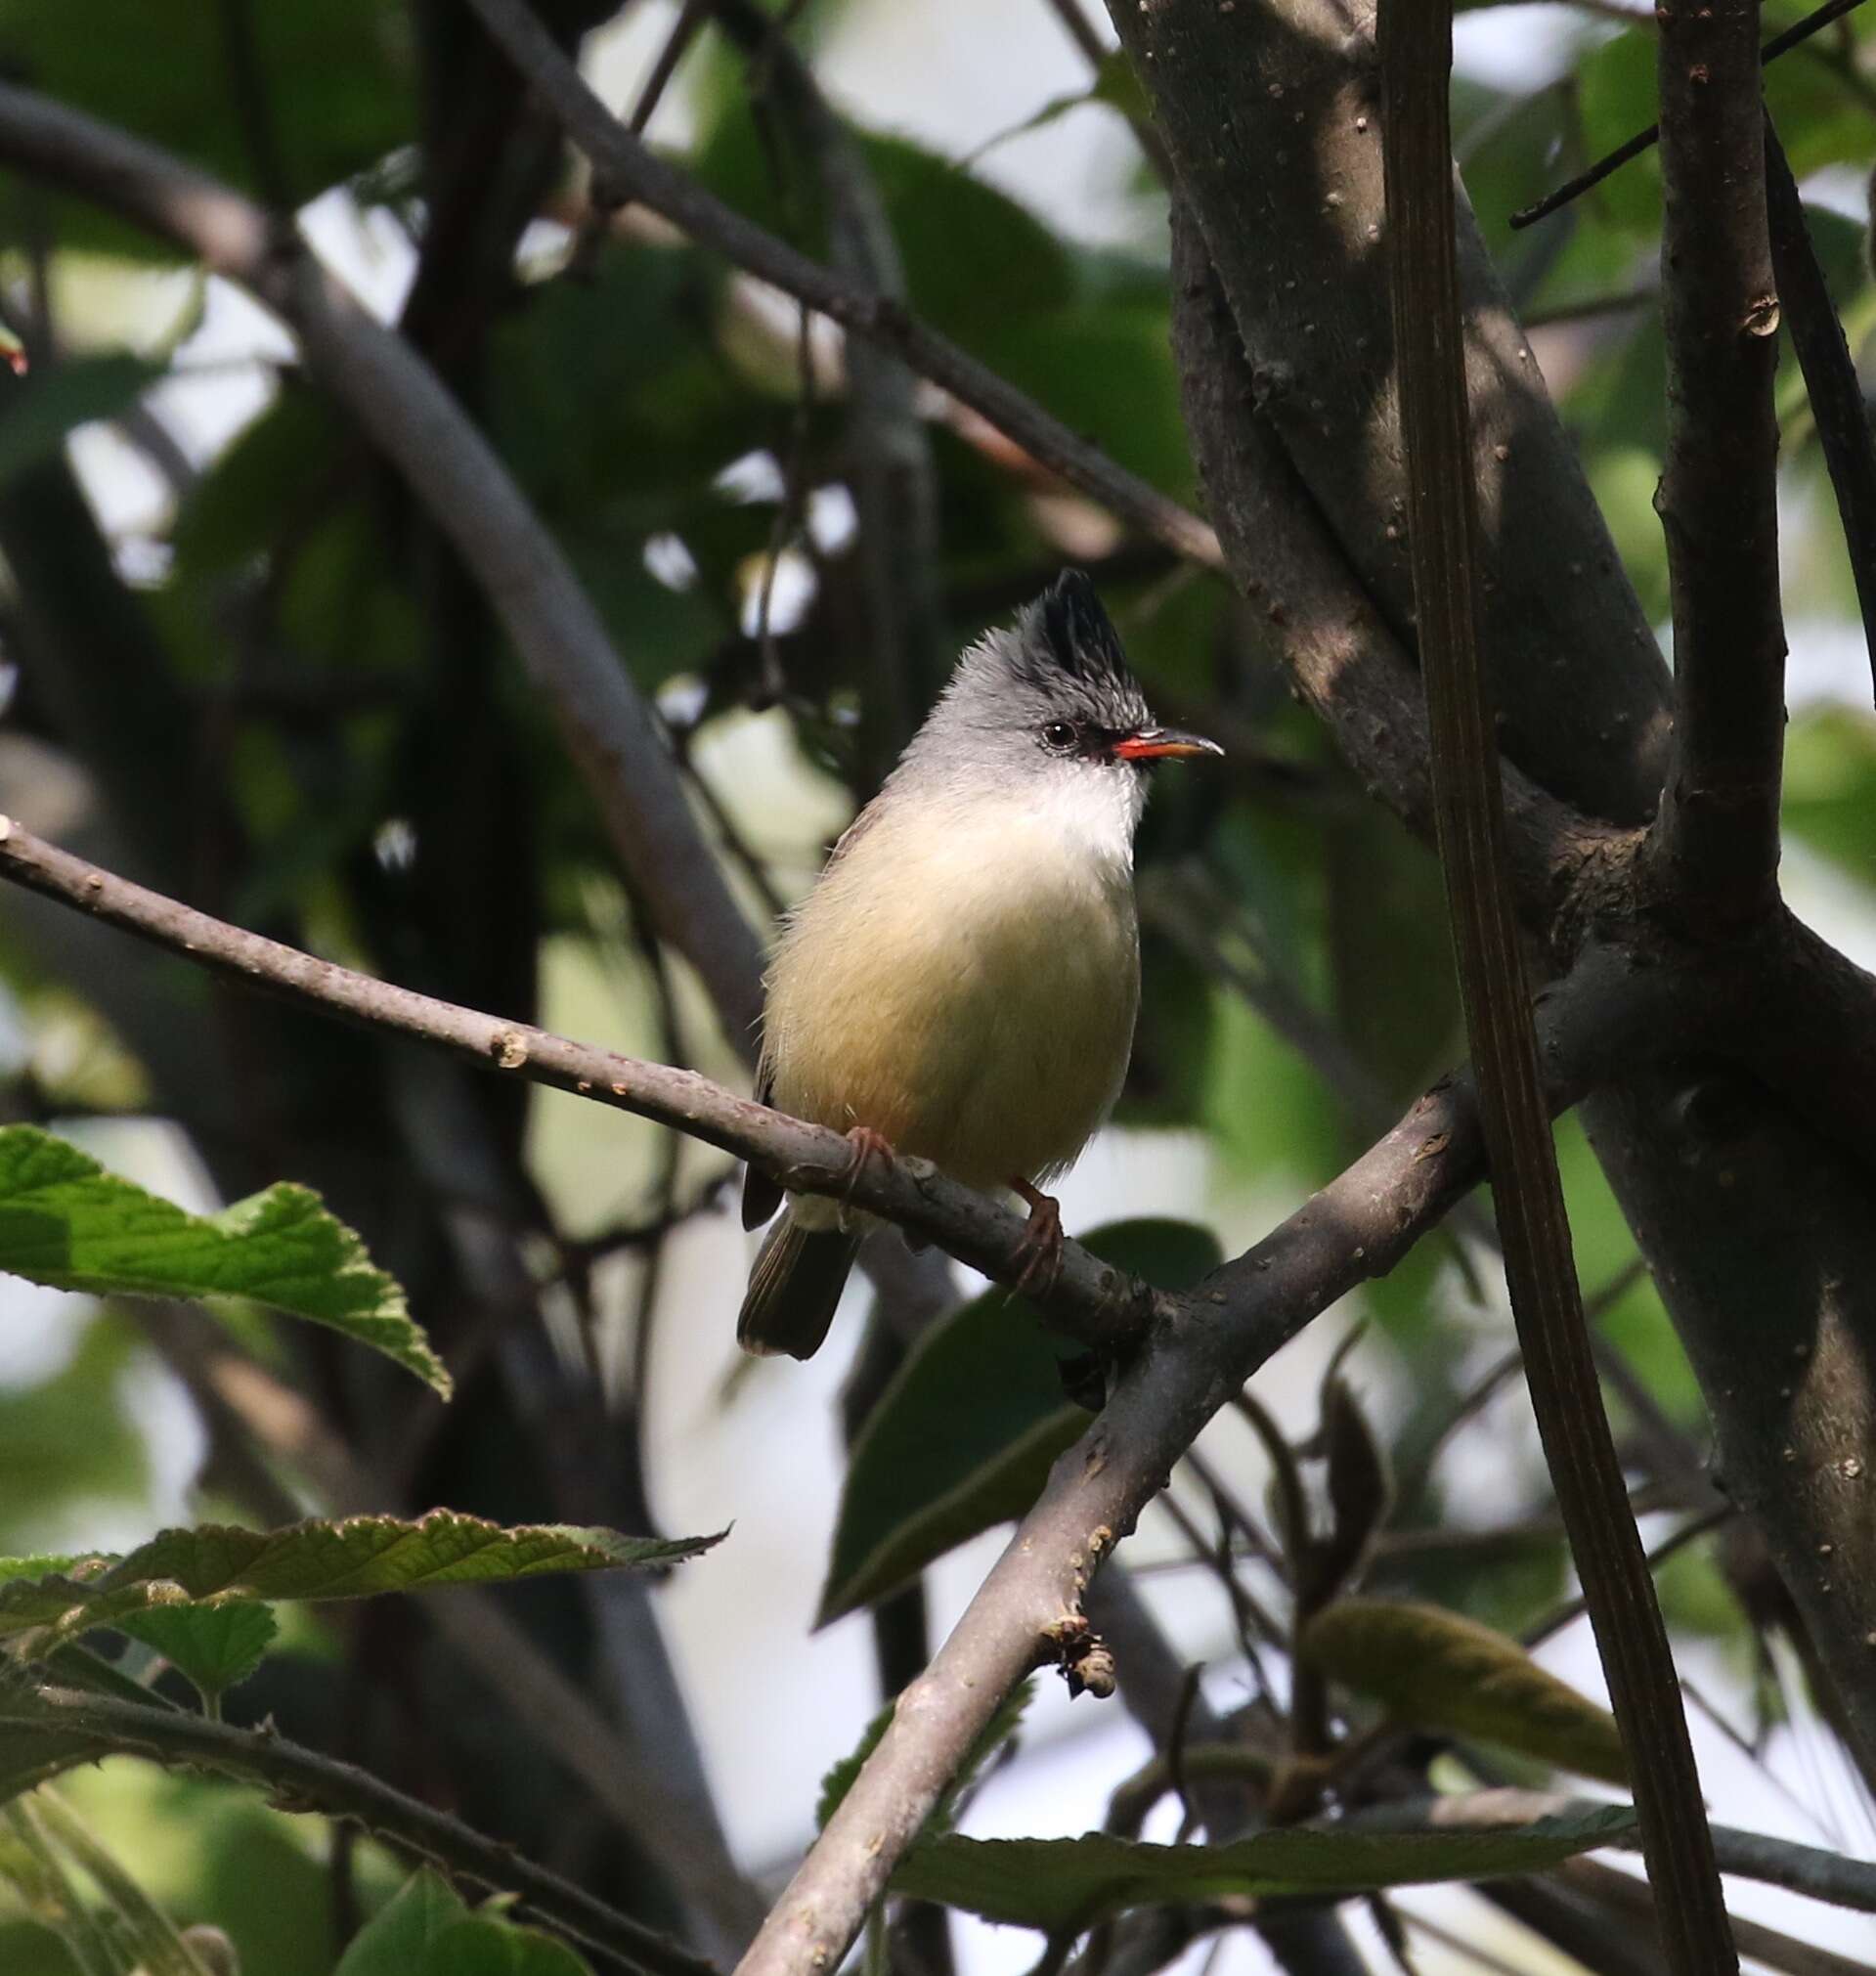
[1071, 626]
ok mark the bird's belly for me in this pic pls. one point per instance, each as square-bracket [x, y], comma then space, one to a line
[982, 1017]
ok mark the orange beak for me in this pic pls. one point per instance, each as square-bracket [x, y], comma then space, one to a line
[1163, 744]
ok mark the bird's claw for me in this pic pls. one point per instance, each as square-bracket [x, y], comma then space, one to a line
[1042, 1244]
[867, 1144]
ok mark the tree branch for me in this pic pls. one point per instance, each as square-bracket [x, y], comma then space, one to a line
[1831, 382]
[1539, 1268]
[1343, 658]
[81, 1728]
[1088, 1299]
[1205, 1345]
[1718, 831]
[1270, 116]
[626, 171]
[402, 409]
[1778, 1863]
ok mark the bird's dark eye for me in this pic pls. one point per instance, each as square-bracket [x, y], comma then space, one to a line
[1059, 734]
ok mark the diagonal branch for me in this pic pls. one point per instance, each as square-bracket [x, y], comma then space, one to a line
[625, 170]
[1540, 1269]
[1208, 1341]
[1718, 832]
[1088, 1298]
[402, 409]
[76, 1728]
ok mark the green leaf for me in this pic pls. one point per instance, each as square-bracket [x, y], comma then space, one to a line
[484, 1944]
[425, 1930]
[1830, 786]
[964, 1436]
[353, 1559]
[334, 83]
[214, 1647]
[1114, 84]
[1438, 1669]
[397, 1939]
[995, 1732]
[1062, 1885]
[841, 1773]
[39, 412]
[66, 1222]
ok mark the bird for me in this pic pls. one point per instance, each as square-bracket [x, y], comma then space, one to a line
[963, 979]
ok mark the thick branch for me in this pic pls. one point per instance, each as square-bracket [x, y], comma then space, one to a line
[1270, 116]
[625, 170]
[1089, 1298]
[1205, 1345]
[402, 409]
[1719, 823]
[1343, 658]
[1539, 1268]
[79, 1728]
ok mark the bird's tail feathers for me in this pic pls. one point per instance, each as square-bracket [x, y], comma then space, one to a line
[794, 1289]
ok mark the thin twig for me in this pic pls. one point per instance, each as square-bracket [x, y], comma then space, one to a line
[1645, 139]
[1027, 1611]
[1573, 1609]
[808, 1159]
[1831, 382]
[402, 407]
[83, 1728]
[625, 170]
[1753, 1855]
[1416, 38]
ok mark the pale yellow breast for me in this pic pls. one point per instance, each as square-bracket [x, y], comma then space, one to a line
[968, 991]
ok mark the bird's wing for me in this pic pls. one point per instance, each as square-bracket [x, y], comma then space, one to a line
[761, 1196]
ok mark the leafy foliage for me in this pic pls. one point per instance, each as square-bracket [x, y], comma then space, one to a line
[66, 1222]
[213, 1647]
[353, 1559]
[1435, 1669]
[1065, 1884]
[996, 1735]
[425, 1930]
[964, 1436]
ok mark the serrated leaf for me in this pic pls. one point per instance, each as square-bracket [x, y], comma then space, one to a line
[842, 1772]
[1062, 1885]
[1438, 1669]
[213, 1647]
[995, 1732]
[964, 1436]
[67, 1223]
[355, 1558]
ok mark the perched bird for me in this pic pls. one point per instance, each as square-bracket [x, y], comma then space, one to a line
[962, 981]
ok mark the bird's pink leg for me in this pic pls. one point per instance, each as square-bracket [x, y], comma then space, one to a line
[1041, 1244]
[867, 1144]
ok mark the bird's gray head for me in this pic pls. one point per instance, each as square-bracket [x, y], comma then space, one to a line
[1050, 705]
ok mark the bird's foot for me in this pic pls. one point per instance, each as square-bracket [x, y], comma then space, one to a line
[1042, 1244]
[867, 1144]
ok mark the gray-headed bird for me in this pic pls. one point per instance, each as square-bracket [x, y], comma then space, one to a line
[962, 981]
